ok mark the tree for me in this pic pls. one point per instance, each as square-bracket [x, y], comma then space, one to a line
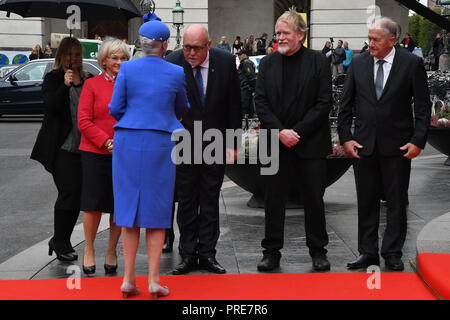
[423, 31]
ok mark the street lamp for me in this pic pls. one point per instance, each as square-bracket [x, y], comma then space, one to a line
[178, 20]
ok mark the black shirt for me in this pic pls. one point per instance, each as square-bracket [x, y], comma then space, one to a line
[291, 82]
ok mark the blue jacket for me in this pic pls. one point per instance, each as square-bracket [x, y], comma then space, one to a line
[149, 93]
[349, 55]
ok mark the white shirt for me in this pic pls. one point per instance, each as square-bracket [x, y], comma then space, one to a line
[387, 66]
[205, 71]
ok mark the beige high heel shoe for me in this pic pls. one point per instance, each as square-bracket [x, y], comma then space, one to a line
[158, 291]
[129, 289]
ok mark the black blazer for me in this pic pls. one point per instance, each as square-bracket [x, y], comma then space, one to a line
[311, 119]
[57, 121]
[390, 121]
[222, 109]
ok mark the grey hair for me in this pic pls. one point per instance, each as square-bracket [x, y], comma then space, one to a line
[150, 46]
[109, 46]
[387, 24]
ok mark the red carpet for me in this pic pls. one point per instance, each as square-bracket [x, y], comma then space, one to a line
[434, 269]
[320, 286]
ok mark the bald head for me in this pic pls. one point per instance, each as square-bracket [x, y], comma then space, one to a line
[196, 32]
[196, 44]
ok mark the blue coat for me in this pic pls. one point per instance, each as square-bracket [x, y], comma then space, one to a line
[145, 92]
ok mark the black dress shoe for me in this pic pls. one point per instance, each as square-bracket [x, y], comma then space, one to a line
[188, 264]
[269, 262]
[364, 261]
[394, 263]
[168, 242]
[320, 263]
[68, 256]
[211, 265]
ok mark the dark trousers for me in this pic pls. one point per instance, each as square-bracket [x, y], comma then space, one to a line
[67, 176]
[198, 190]
[247, 102]
[311, 174]
[374, 175]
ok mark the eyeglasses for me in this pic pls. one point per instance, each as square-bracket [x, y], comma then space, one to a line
[188, 48]
[116, 59]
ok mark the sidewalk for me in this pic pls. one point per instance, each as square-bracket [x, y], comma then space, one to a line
[242, 229]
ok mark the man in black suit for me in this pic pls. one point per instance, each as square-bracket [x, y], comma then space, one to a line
[213, 91]
[388, 133]
[293, 100]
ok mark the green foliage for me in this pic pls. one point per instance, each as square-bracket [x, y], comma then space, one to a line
[423, 31]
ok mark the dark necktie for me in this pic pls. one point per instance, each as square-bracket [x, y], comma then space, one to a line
[199, 82]
[380, 79]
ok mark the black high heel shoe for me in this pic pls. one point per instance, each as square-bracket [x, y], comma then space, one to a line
[110, 268]
[89, 270]
[69, 256]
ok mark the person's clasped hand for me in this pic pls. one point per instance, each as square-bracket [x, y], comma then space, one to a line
[351, 148]
[289, 137]
[109, 145]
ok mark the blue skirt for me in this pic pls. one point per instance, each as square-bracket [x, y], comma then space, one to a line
[143, 178]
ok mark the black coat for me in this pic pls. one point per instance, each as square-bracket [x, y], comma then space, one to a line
[389, 121]
[222, 109]
[57, 121]
[311, 119]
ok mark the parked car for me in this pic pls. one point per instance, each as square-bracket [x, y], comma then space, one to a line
[4, 70]
[21, 89]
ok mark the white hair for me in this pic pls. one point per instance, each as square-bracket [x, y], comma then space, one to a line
[109, 46]
[150, 46]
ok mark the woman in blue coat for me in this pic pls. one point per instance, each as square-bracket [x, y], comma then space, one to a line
[149, 99]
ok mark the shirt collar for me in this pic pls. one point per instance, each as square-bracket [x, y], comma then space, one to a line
[389, 58]
[109, 77]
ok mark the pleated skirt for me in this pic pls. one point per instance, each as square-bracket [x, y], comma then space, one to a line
[143, 178]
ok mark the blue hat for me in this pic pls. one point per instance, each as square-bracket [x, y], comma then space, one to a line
[155, 30]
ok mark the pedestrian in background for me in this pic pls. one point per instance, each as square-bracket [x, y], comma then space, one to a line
[97, 132]
[48, 53]
[348, 57]
[223, 44]
[337, 60]
[247, 78]
[408, 42]
[438, 46]
[36, 53]
[57, 143]
[237, 45]
[148, 101]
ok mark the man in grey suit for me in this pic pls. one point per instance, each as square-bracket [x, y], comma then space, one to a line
[389, 132]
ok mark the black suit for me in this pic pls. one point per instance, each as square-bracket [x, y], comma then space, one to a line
[382, 127]
[198, 185]
[310, 104]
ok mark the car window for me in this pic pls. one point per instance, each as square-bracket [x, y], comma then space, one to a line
[88, 67]
[32, 71]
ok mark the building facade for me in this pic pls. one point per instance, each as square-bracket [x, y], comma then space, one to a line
[340, 19]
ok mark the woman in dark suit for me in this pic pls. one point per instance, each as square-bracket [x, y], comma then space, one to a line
[149, 99]
[57, 143]
[96, 127]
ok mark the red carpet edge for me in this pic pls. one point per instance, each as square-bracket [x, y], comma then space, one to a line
[309, 286]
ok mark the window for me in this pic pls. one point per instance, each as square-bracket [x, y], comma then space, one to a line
[31, 72]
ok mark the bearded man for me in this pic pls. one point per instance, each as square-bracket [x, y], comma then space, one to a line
[293, 100]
